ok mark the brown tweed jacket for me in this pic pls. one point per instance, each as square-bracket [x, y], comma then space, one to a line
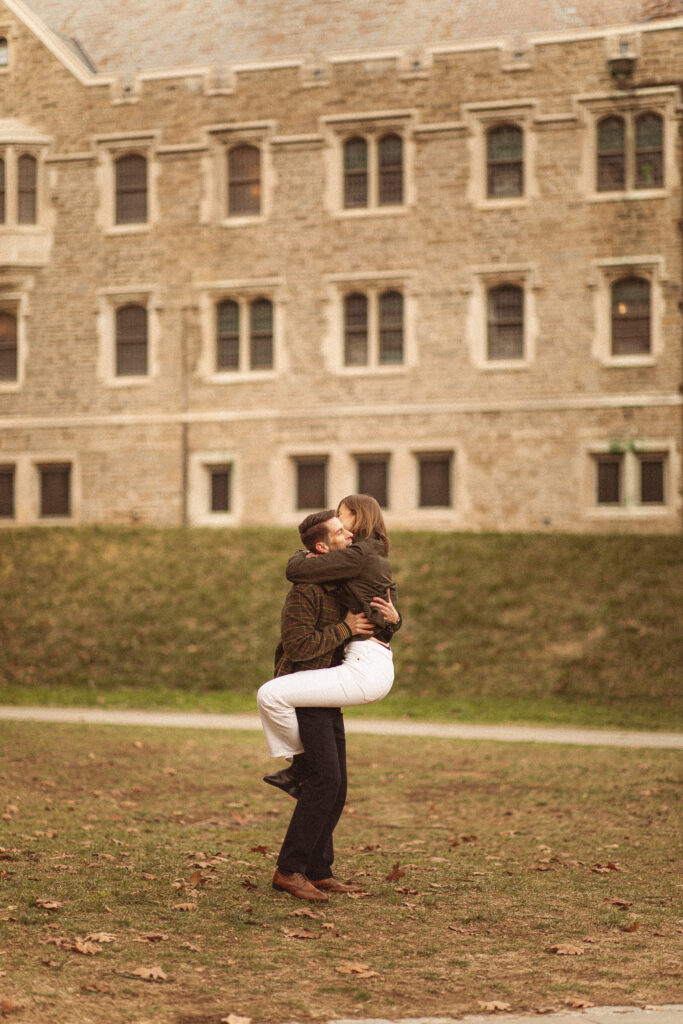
[312, 633]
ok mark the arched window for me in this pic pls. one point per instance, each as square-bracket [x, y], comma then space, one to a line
[227, 335]
[3, 202]
[649, 156]
[244, 181]
[8, 346]
[355, 173]
[131, 189]
[261, 334]
[505, 163]
[27, 174]
[505, 323]
[390, 160]
[131, 341]
[611, 170]
[631, 316]
[4, 52]
[356, 329]
[391, 327]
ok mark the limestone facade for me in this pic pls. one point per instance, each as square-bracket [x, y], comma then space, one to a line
[227, 298]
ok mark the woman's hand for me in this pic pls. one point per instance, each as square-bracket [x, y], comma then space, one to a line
[359, 624]
[389, 613]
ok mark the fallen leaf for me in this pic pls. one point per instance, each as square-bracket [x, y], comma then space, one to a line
[260, 849]
[359, 970]
[632, 927]
[300, 933]
[248, 883]
[622, 904]
[395, 873]
[100, 937]
[184, 906]
[151, 937]
[48, 904]
[577, 1002]
[233, 1018]
[155, 973]
[305, 912]
[494, 1006]
[565, 949]
[9, 1006]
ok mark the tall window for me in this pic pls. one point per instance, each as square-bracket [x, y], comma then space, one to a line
[244, 181]
[505, 164]
[611, 154]
[631, 316]
[373, 477]
[630, 478]
[505, 323]
[7, 492]
[311, 482]
[131, 341]
[221, 488]
[3, 200]
[391, 327]
[374, 328]
[649, 169]
[608, 479]
[434, 480]
[390, 159]
[27, 177]
[4, 52]
[245, 335]
[652, 478]
[355, 173]
[131, 189]
[8, 346]
[55, 490]
[227, 335]
[355, 329]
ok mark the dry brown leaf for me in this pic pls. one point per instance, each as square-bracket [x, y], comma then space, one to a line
[151, 937]
[565, 949]
[197, 878]
[622, 904]
[83, 946]
[604, 868]
[10, 1006]
[248, 883]
[494, 1006]
[632, 927]
[545, 1009]
[305, 912]
[359, 970]
[48, 904]
[395, 873]
[577, 1003]
[184, 906]
[260, 849]
[233, 1018]
[155, 973]
[299, 933]
[100, 937]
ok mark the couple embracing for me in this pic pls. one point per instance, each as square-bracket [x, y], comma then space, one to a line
[337, 623]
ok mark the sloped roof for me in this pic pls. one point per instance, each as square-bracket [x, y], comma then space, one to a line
[125, 36]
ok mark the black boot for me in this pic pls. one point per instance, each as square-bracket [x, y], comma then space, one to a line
[291, 778]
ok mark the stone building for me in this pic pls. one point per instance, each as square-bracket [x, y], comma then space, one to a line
[254, 257]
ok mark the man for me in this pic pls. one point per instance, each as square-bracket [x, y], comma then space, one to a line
[314, 629]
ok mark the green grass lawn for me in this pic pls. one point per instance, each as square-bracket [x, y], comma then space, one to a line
[583, 630]
[136, 867]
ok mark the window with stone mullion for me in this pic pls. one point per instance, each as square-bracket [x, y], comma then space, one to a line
[8, 346]
[355, 173]
[27, 171]
[649, 169]
[356, 329]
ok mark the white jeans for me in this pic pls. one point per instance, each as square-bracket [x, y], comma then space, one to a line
[365, 675]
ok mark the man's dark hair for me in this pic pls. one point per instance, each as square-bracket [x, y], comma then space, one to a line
[313, 528]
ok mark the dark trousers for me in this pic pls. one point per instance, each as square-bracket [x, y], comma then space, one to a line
[307, 846]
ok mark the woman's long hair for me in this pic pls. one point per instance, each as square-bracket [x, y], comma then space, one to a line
[368, 520]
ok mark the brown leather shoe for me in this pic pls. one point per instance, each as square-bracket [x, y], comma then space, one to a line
[297, 885]
[333, 885]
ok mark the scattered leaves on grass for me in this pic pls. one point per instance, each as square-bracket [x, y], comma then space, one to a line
[395, 873]
[494, 1006]
[87, 947]
[151, 937]
[577, 1003]
[565, 949]
[358, 970]
[184, 906]
[305, 912]
[100, 937]
[602, 869]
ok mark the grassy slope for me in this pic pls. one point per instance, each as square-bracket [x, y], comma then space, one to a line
[526, 627]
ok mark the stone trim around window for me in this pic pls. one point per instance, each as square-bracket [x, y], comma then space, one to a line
[372, 285]
[220, 139]
[110, 148]
[201, 465]
[604, 274]
[26, 242]
[27, 487]
[628, 454]
[591, 110]
[483, 279]
[111, 299]
[243, 292]
[480, 118]
[338, 129]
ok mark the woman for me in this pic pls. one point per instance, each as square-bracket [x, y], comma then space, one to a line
[362, 572]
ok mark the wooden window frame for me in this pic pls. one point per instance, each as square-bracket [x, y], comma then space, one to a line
[243, 182]
[440, 457]
[496, 320]
[363, 486]
[302, 462]
[500, 166]
[135, 193]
